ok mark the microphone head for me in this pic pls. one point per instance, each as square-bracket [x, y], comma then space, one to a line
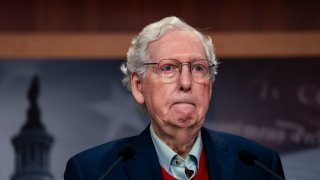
[247, 157]
[126, 152]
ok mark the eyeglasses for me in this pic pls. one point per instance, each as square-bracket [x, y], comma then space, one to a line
[170, 69]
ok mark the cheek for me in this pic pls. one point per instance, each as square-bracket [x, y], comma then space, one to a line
[161, 96]
[157, 95]
[204, 95]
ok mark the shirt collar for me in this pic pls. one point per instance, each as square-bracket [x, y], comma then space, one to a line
[166, 154]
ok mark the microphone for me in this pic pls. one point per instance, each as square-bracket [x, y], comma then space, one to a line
[249, 158]
[125, 154]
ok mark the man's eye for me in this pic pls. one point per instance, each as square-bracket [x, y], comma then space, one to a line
[167, 67]
[198, 67]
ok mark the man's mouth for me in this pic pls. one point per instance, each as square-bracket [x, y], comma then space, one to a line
[184, 106]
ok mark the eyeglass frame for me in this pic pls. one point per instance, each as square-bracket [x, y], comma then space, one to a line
[211, 66]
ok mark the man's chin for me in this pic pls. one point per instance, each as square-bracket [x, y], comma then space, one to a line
[185, 121]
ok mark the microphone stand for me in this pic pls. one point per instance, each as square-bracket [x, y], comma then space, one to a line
[267, 169]
[111, 168]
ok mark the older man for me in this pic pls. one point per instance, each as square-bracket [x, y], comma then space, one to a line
[170, 70]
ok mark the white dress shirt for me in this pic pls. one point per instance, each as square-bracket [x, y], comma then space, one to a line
[173, 163]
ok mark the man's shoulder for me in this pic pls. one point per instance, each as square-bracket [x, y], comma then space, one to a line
[228, 137]
[93, 162]
[233, 141]
[227, 149]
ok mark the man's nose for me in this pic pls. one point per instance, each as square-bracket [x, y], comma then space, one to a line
[185, 78]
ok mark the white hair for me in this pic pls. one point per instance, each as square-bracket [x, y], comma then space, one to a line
[138, 52]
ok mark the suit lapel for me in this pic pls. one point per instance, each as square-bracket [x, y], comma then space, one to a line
[221, 164]
[145, 163]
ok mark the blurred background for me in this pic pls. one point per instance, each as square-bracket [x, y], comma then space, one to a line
[268, 86]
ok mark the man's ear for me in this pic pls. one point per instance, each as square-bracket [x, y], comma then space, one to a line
[136, 88]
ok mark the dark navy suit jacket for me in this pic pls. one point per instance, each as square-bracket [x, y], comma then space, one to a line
[221, 154]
